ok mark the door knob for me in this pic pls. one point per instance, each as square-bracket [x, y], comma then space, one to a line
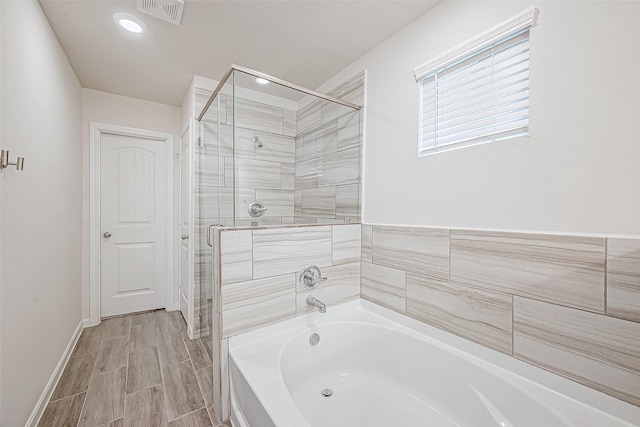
[106, 235]
[185, 237]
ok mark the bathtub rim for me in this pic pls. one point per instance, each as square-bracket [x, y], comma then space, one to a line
[479, 354]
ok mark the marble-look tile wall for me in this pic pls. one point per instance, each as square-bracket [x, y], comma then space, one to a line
[255, 282]
[569, 304]
[328, 153]
[261, 173]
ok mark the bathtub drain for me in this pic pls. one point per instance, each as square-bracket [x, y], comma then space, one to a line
[327, 392]
[314, 339]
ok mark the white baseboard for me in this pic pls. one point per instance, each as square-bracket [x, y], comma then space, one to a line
[86, 323]
[37, 412]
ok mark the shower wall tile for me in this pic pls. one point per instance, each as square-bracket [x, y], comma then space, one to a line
[279, 251]
[367, 243]
[289, 122]
[206, 202]
[237, 259]
[319, 202]
[321, 142]
[332, 111]
[306, 175]
[348, 202]
[288, 176]
[257, 116]
[567, 270]
[340, 168]
[346, 244]
[349, 131]
[417, 250]
[342, 285]
[245, 147]
[297, 199]
[256, 303]
[599, 351]
[276, 148]
[351, 90]
[623, 278]
[207, 169]
[243, 197]
[299, 148]
[308, 117]
[384, 286]
[253, 173]
[279, 203]
[481, 316]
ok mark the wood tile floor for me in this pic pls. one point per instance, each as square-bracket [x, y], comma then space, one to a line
[135, 371]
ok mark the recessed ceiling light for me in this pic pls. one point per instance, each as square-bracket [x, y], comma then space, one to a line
[129, 22]
[262, 81]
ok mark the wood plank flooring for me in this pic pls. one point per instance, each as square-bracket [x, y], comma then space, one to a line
[136, 370]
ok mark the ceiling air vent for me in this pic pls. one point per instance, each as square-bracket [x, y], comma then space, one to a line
[167, 10]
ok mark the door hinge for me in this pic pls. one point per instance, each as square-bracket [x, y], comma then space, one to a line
[199, 141]
[178, 156]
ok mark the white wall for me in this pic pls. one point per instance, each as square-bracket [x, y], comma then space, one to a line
[40, 223]
[579, 170]
[120, 110]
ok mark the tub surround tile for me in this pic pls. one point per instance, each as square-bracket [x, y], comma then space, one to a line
[224, 374]
[237, 258]
[342, 285]
[276, 148]
[345, 244]
[596, 350]
[257, 303]
[146, 408]
[279, 251]
[481, 316]
[384, 286]
[299, 148]
[422, 251]
[181, 390]
[623, 278]
[332, 111]
[367, 243]
[566, 270]
[351, 90]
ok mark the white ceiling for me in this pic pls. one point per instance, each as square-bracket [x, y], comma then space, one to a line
[305, 42]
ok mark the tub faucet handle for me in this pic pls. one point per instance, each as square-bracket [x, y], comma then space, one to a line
[311, 277]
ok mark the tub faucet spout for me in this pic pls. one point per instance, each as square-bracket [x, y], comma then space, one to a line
[322, 307]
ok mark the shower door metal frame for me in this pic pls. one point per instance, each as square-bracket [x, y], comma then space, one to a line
[276, 80]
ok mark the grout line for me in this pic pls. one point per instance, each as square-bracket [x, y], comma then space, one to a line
[606, 275]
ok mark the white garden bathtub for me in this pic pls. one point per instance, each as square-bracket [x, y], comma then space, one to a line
[385, 369]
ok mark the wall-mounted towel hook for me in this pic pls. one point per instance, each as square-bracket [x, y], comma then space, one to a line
[4, 161]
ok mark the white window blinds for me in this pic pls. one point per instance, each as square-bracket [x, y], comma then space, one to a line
[480, 96]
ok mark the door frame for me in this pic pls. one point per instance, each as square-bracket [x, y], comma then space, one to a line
[96, 131]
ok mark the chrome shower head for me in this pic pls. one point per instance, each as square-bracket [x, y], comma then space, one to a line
[258, 142]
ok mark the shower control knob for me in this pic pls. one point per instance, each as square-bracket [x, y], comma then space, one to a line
[256, 209]
[106, 235]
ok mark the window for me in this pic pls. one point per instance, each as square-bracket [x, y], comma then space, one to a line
[479, 92]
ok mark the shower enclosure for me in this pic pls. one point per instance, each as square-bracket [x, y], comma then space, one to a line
[271, 154]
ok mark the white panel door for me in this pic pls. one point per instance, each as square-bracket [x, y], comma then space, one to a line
[186, 221]
[132, 223]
